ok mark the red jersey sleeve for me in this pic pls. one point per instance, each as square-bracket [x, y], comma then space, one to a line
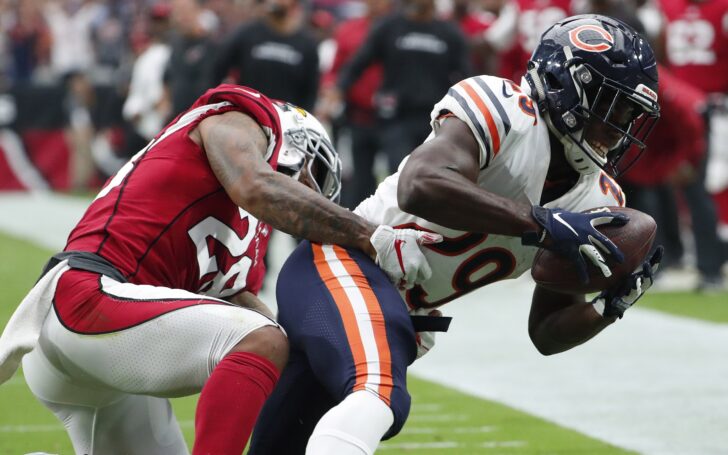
[228, 97]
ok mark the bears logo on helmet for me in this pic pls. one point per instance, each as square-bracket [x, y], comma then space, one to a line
[583, 35]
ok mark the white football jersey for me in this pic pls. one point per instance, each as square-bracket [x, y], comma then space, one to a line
[514, 158]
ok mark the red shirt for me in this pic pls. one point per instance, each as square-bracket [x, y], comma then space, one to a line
[165, 220]
[678, 136]
[349, 36]
[534, 18]
[473, 25]
[696, 42]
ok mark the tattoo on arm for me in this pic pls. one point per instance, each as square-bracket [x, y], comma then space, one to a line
[301, 212]
[235, 146]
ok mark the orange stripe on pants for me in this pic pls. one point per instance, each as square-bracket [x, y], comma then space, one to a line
[351, 325]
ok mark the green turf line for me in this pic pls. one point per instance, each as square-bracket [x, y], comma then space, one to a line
[708, 307]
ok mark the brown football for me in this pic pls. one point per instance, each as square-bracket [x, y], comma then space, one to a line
[634, 239]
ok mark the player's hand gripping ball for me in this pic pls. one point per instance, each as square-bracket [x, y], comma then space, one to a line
[634, 239]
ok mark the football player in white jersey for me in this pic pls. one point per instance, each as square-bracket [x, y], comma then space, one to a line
[506, 169]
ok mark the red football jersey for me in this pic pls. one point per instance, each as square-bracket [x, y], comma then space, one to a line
[678, 137]
[534, 18]
[165, 220]
[696, 42]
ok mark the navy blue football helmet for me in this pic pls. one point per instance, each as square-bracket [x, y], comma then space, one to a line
[595, 81]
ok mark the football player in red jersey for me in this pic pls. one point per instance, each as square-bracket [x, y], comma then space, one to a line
[696, 51]
[154, 295]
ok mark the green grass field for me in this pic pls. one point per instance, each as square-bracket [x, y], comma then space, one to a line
[442, 420]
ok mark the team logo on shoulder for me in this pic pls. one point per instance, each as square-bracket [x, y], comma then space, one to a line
[591, 38]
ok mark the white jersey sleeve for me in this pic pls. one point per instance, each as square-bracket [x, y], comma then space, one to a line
[492, 107]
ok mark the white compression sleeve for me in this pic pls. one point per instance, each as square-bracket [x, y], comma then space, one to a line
[353, 427]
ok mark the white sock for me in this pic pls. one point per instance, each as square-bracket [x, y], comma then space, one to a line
[353, 427]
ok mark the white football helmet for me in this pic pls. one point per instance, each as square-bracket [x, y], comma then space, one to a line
[307, 145]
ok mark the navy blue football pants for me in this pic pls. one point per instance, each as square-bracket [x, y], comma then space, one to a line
[349, 330]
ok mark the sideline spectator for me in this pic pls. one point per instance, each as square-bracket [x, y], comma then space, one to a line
[422, 56]
[147, 106]
[473, 22]
[29, 42]
[674, 152]
[80, 102]
[71, 26]
[359, 116]
[274, 54]
[696, 49]
[188, 72]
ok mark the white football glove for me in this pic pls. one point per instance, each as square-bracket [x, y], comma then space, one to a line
[614, 302]
[399, 255]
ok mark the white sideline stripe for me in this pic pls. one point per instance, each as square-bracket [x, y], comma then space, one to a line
[460, 430]
[420, 445]
[58, 427]
[497, 444]
[425, 407]
[436, 417]
[31, 428]
[361, 313]
[449, 445]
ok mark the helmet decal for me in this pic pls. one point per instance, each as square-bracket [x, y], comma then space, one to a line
[646, 91]
[584, 35]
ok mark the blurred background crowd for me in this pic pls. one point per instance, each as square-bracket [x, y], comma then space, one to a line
[84, 85]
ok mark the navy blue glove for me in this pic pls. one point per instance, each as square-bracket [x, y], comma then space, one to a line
[574, 235]
[614, 302]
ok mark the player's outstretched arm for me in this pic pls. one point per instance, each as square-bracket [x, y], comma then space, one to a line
[558, 322]
[236, 146]
[438, 183]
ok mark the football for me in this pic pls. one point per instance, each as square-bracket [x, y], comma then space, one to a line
[634, 239]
